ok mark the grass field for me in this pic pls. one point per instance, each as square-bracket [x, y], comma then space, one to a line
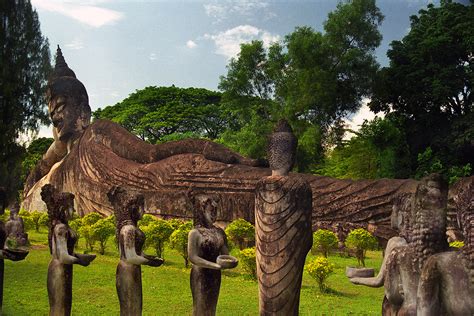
[166, 289]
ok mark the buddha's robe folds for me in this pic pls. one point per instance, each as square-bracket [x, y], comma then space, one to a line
[283, 238]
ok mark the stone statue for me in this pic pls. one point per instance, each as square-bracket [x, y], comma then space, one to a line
[423, 233]
[208, 252]
[283, 227]
[61, 240]
[87, 159]
[128, 207]
[15, 229]
[447, 280]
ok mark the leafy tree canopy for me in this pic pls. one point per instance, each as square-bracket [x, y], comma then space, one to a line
[154, 113]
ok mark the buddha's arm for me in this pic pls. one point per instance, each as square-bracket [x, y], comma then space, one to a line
[126, 145]
[378, 281]
[60, 232]
[128, 237]
[55, 153]
[193, 252]
[428, 302]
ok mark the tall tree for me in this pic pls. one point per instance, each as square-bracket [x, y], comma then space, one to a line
[24, 68]
[312, 78]
[429, 83]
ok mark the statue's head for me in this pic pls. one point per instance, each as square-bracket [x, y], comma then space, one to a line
[60, 205]
[204, 208]
[68, 103]
[128, 205]
[281, 148]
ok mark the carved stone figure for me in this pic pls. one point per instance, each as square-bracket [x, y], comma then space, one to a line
[422, 223]
[61, 244]
[128, 207]
[283, 227]
[208, 252]
[87, 159]
[15, 229]
[447, 279]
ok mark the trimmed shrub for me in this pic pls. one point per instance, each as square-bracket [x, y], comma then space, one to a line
[361, 240]
[320, 268]
[248, 261]
[157, 233]
[101, 232]
[179, 240]
[239, 232]
[323, 241]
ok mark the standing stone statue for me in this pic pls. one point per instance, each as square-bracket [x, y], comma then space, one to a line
[447, 280]
[61, 240]
[283, 227]
[208, 252]
[129, 209]
[15, 229]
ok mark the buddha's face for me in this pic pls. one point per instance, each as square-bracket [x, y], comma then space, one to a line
[67, 117]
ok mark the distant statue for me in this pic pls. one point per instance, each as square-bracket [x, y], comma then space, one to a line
[61, 240]
[283, 227]
[422, 234]
[87, 159]
[129, 209]
[15, 229]
[209, 254]
[447, 279]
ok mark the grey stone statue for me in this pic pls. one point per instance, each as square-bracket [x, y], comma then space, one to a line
[15, 229]
[208, 252]
[61, 240]
[128, 207]
[422, 223]
[283, 227]
[447, 280]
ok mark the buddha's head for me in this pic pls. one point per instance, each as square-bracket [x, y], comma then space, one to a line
[68, 103]
[281, 149]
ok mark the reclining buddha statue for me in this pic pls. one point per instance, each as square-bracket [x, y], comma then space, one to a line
[87, 159]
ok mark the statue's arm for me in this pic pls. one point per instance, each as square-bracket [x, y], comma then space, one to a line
[378, 281]
[60, 232]
[428, 302]
[128, 237]
[193, 252]
[55, 153]
[392, 282]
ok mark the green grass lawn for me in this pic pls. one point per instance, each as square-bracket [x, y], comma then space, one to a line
[166, 289]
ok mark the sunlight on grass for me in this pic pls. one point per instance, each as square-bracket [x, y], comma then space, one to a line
[166, 289]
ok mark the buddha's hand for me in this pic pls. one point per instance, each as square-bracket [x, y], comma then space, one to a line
[153, 261]
[227, 261]
[84, 259]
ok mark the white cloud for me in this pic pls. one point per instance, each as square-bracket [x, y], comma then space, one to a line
[355, 122]
[85, 12]
[152, 57]
[75, 44]
[221, 10]
[191, 44]
[228, 42]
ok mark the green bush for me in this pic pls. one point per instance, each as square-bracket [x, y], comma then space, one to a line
[248, 262]
[86, 232]
[91, 218]
[175, 223]
[44, 220]
[5, 216]
[240, 231]
[323, 241]
[361, 240]
[35, 217]
[101, 231]
[146, 220]
[456, 244]
[179, 240]
[157, 233]
[320, 268]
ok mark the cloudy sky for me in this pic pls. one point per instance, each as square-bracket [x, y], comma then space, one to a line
[116, 47]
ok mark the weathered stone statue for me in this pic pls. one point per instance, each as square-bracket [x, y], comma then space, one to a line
[422, 223]
[128, 207]
[87, 159]
[208, 252]
[15, 229]
[283, 227]
[61, 244]
[447, 280]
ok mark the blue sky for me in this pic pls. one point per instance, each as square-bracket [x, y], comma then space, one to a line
[116, 47]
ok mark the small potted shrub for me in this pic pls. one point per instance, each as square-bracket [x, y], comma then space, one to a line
[360, 240]
[320, 268]
[324, 241]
